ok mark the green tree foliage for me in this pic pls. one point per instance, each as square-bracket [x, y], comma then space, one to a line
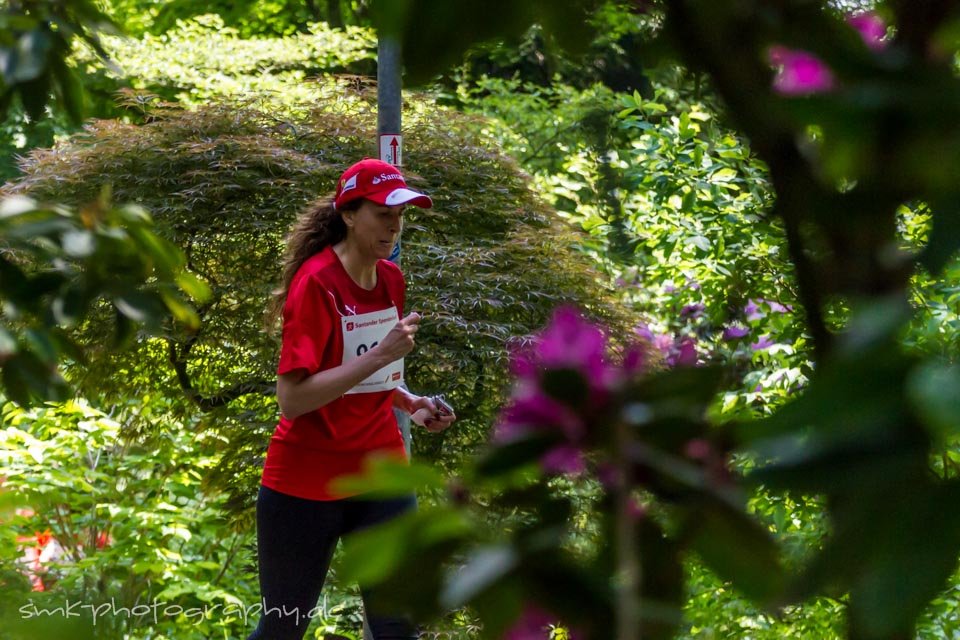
[484, 267]
[36, 37]
[202, 59]
[196, 60]
[676, 206]
[59, 265]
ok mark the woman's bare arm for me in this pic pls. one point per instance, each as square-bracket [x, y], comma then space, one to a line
[299, 393]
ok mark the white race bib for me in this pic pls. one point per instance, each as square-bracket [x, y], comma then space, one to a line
[362, 333]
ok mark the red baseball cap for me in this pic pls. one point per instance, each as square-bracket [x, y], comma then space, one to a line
[380, 182]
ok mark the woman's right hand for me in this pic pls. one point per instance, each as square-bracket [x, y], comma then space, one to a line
[400, 341]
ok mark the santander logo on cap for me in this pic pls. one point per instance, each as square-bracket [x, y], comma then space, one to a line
[379, 182]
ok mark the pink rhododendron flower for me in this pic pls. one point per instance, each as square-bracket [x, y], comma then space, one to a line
[776, 307]
[569, 341]
[734, 332]
[636, 510]
[763, 343]
[523, 358]
[663, 342]
[537, 411]
[697, 449]
[685, 354]
[565, 459]
[676, 352]
[643, 332]
[799, 72]
[871, 28]
[753, 310]
[692, 310]
[533, 624]
[609, 476]
[634, 360]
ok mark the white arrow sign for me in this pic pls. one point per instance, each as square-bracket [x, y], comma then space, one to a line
[391, 148]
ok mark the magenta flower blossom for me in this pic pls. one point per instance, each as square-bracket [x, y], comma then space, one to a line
[565, 459]
[663, 342]
[692, 310]
[636, 510]
[735, 332]
[753, 310]
[871, 28]
[609, 476]
[523, 359]
[634, 360]
[697, 449]
[799, 73]
[676, 351]
[685, 354]
[570, 342]
[643, 332]
[533, 624]
[536, 411]
[776, 307]
[763, 343]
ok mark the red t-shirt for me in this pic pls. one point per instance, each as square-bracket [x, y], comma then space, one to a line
[306, 453]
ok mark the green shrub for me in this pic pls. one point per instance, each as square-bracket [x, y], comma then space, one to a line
[485, 266]
[129, 524]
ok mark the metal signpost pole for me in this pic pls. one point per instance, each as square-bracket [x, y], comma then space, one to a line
[390, 147]
[390, 141]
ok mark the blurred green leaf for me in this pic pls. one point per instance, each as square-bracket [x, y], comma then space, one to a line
[661, 581]
[504, 457]
[483, 570]
[934, 391]
[140, 306]
[739, 550]
[194, 286]
[373, 554]
[386, 477]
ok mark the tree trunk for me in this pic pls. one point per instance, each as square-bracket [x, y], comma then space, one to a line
[314, 10]
[334, 15]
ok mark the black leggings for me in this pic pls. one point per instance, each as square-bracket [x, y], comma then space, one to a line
[296, 539]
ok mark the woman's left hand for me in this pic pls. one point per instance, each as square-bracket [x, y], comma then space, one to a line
[425, 413]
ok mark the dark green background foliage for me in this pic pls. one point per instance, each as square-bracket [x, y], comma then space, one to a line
[249, 17]
[484, 267]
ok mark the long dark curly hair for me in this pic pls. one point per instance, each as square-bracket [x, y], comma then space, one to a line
[317, 227]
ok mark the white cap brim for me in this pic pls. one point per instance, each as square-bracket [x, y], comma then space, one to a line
[408, 196]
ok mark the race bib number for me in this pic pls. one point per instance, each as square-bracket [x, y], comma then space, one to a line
[362, 333]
